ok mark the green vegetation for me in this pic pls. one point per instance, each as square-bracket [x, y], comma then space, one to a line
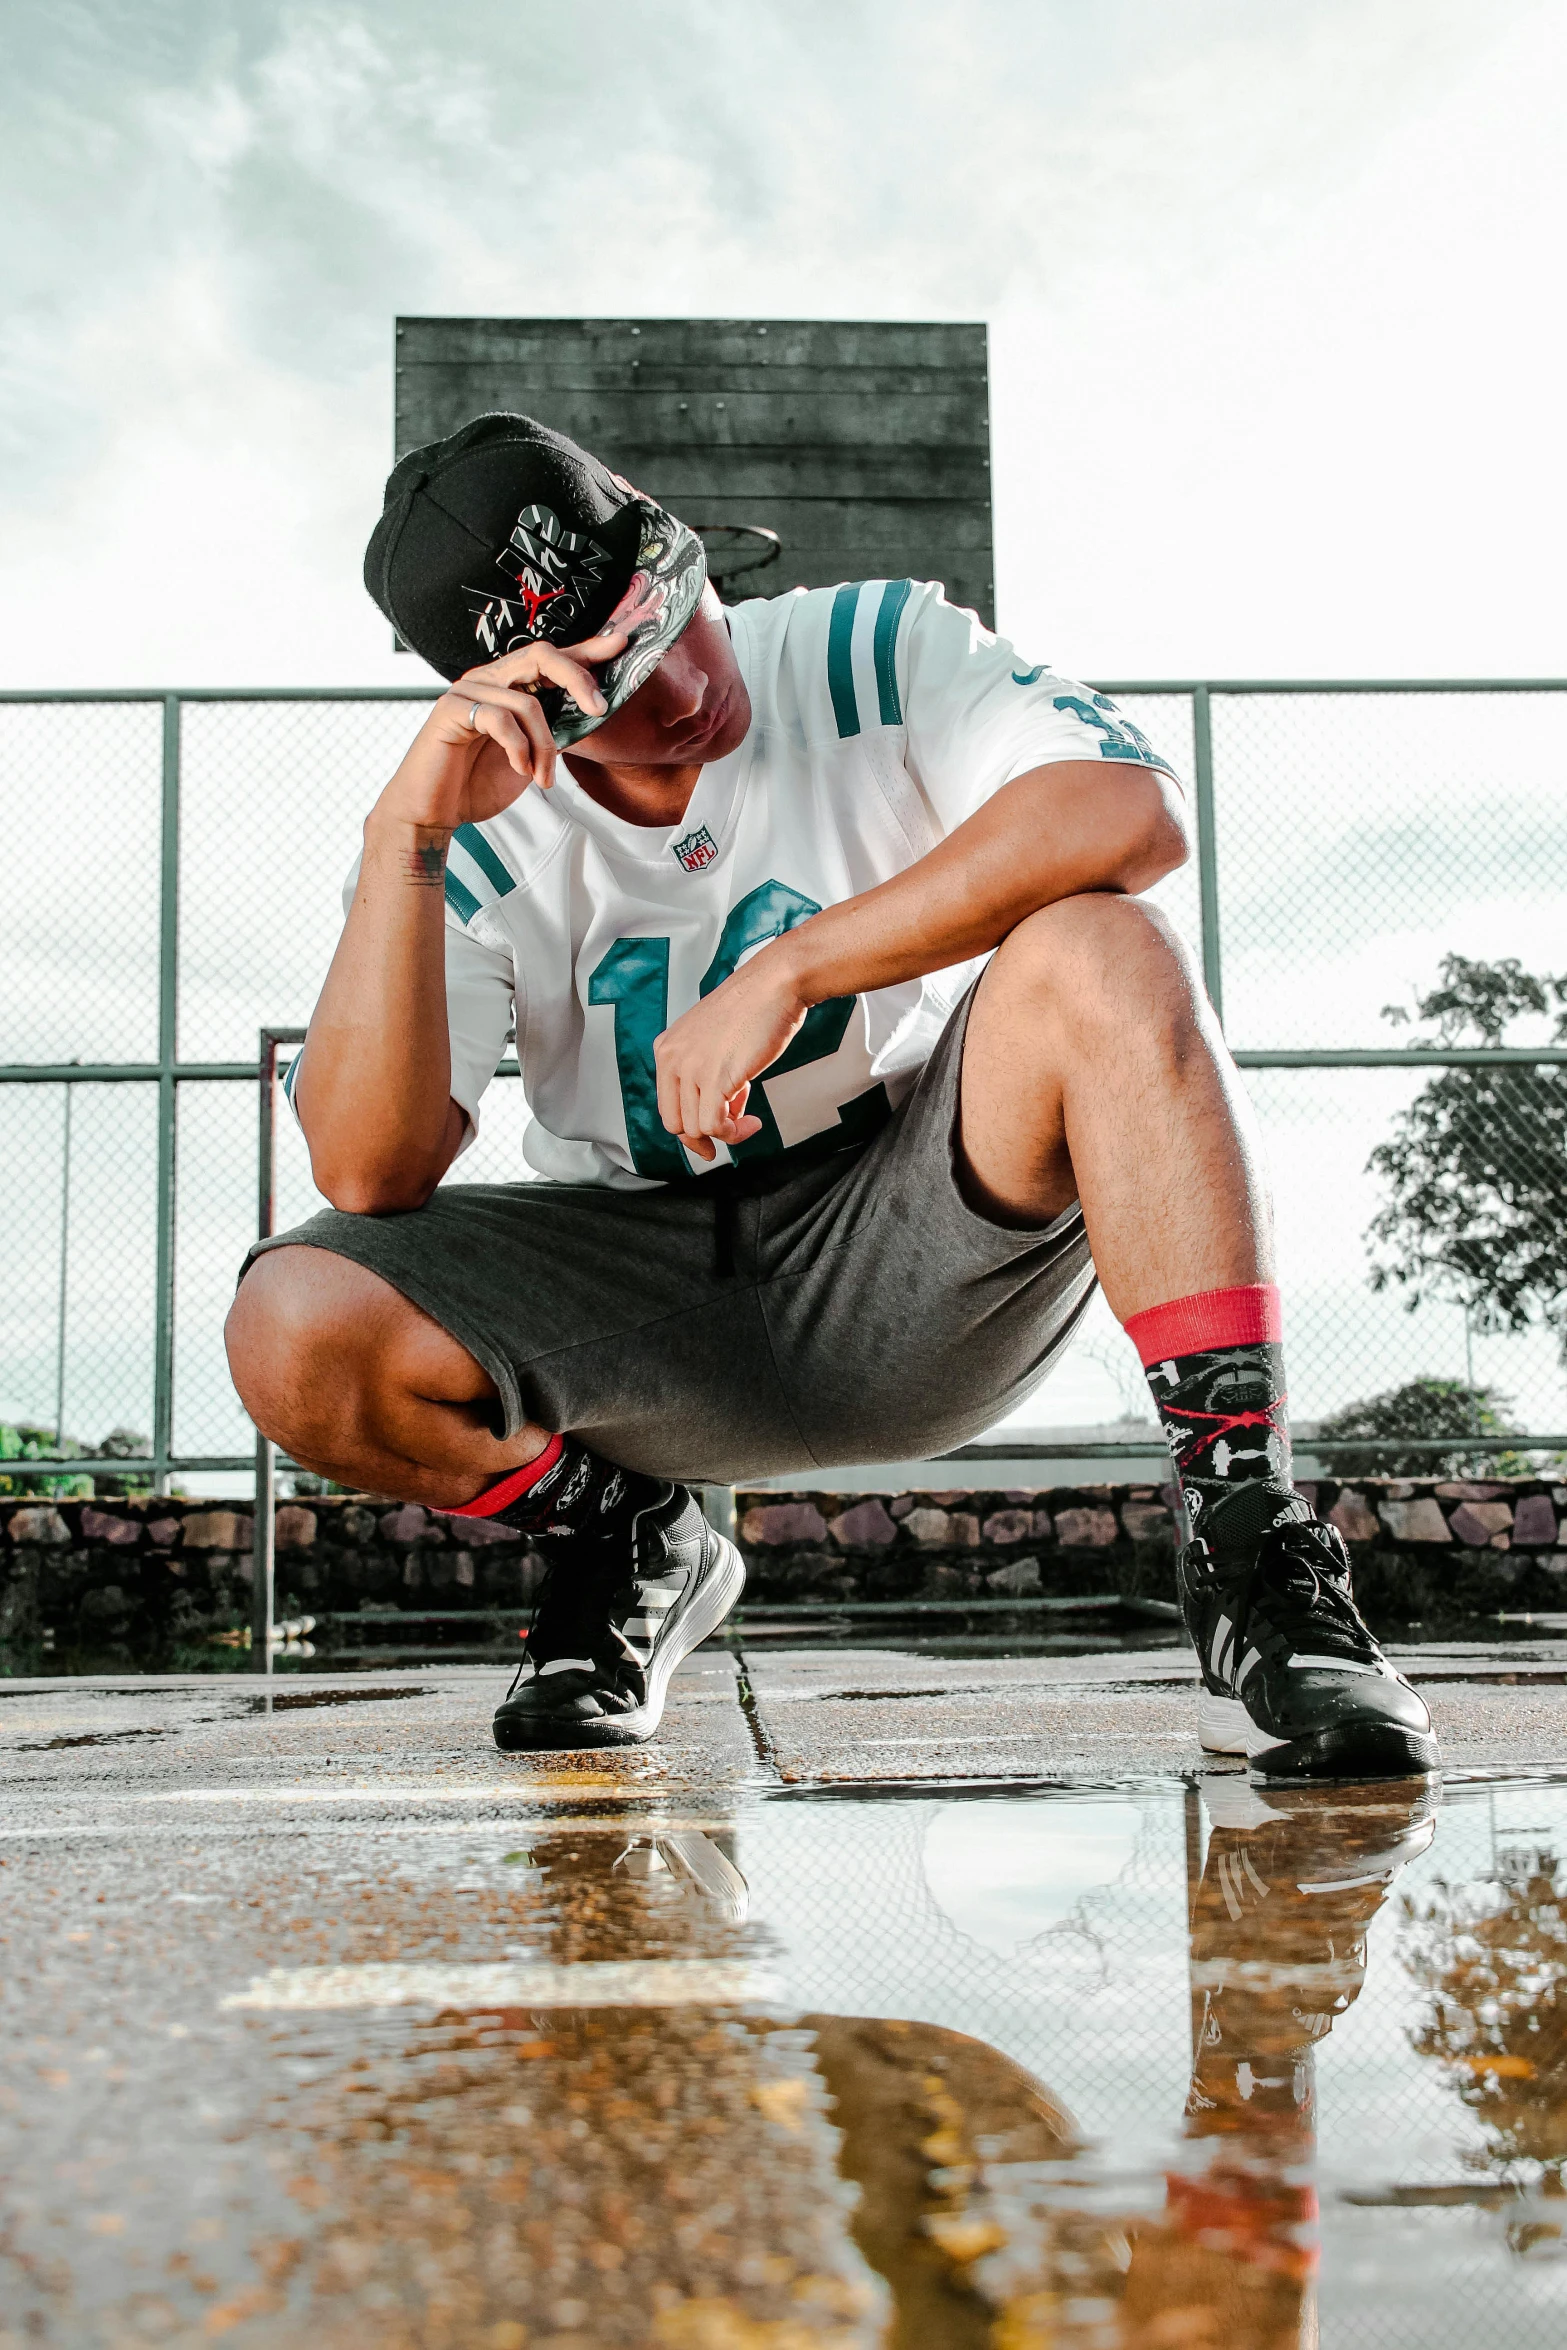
[1428, 1408]
[24, 1442]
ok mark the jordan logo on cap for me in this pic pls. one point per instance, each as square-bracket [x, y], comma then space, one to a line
[553, 572]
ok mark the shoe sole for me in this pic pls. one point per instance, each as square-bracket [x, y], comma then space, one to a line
[696, 1615]
[1352, 1750]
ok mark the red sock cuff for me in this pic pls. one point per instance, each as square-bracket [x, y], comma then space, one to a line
[511, 1487]
[1250, 1316]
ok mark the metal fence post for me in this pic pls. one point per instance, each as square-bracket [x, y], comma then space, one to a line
[263, 1557]
[718, 1508]
[1207, 848]
[65, 1273]
[168, 1040]
[264, 1537]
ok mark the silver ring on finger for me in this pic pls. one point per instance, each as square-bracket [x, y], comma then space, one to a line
[473, 717]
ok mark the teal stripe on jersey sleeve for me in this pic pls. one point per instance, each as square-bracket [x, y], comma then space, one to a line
[289, 1075]
[476, 876]
[840, 664]
[485, 858]
[462, 901]
[894, 596]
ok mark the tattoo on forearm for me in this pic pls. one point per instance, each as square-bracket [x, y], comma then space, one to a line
[425, 865]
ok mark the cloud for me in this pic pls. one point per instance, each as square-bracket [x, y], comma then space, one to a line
[1268, 335]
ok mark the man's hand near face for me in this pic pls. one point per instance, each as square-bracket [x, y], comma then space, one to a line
[487, 739]
[373, 1089]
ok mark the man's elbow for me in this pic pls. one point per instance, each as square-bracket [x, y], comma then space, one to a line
[378, 1199]
[359, 1186]
[361, 1191]
[385, 1174]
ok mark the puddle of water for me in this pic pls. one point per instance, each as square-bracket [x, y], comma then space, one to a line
[271, 1702]
[1277, 2033]
[89, 1738]
[1463, 1670]
[279, 1701]
[179, 1693]
[1520, 1677]
[1106, 1642]
[1143, 2067]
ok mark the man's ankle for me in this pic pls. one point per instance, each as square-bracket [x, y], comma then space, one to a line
[505, 1486]
[567, 1491]
[1233, 1518]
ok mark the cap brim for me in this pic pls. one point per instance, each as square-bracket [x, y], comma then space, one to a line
[657, 607]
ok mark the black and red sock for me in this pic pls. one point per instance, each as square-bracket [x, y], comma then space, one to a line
[1215, 1365]
[566, 1490]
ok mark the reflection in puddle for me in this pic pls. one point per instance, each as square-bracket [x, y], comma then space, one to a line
[1153, 2066]
[1145, 2069]
[1003, 1883]
[696, 1860]
[1289, 1888]
[1491, 1959]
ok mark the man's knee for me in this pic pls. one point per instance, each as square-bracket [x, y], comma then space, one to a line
[1101, 963]
[298, 1328]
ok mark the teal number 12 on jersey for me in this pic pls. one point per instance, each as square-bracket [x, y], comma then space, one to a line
[633, 975]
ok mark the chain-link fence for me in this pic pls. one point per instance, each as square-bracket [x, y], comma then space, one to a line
[177, 861]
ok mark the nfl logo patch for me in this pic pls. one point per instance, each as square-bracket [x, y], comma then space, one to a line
[696, 850]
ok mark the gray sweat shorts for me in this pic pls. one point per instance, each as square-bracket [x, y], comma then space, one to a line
[777, 1320]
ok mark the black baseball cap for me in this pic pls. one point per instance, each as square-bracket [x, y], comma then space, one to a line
[507, 534]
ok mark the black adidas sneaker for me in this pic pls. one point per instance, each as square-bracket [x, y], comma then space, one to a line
[616, 1613]
[1291, 1676]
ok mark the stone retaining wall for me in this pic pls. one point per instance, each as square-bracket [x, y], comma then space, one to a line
[159, 1582]
[1426, 1551]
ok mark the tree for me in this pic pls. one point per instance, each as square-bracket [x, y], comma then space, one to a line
[1421, 1407]
[1476, 1167]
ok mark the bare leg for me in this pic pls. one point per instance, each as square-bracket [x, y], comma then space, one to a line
[357, 1384]
[1094, 1069]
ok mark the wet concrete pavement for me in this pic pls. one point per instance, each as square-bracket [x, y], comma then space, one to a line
[845, 1714]
[891, 1998]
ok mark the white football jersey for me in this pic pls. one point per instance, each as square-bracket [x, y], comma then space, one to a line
[882, 716]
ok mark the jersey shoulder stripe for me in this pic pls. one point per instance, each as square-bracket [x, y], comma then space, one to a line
[889, 612]
[880, 603]
[840, 659]
[475, 876]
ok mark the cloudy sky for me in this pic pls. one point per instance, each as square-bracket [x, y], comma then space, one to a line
[1273, 289]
